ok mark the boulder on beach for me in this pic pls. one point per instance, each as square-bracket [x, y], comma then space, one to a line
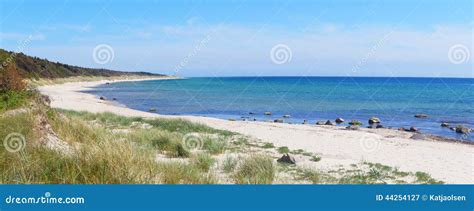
[231, 119]
[374, 120]
[287, 159]
[444, 124]
[413, 129]
[355, 122]
[379, 126]
[421, 115]
[402, 129]
[320, 122]
[267, 113]
[339, 120]
[278, 120]
[102, 98]
[286, 116]
[329, 123]
[352, 127]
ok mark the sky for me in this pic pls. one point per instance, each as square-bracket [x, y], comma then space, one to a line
[395, 38]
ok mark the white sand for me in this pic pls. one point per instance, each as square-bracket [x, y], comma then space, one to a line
[450, 162]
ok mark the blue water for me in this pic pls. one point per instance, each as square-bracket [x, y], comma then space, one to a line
[393, 100]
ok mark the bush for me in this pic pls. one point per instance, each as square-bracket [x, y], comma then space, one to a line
[10, 79]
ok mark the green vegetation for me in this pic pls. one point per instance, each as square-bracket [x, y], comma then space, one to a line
[203, 161]
[315, 158]
[283, 150]
[34, 67]
[255, 169]
[268, 146]
[229, 164]
[376, 174]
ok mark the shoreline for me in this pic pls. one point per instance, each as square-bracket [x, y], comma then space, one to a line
[337, 146]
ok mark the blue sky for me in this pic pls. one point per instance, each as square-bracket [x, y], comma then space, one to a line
[230, 38]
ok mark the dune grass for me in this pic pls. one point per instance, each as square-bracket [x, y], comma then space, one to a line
[255, 169]
[100, 156]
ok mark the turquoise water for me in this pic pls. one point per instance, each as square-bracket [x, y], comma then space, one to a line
[393, 100]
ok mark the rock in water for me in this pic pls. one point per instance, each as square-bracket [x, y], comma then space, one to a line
[374, 120]
[320, 122]
[268, 113]
[339, 120]
[286, 116]
[329, 123]
[102, 97]
[379, 126]
[287, 159]
[444, 124]
[355, 122]
[421, 115]
[413, 129]
[152, 110]
[278, 120]
[251, 113]
[462, 129]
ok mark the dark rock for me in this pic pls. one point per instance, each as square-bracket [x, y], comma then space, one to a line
[268, 113]
[287, 159]
[320, 122]
[413, 129]
[418, 136]
[107, 83]
[444, 124]
[254, 119]
[379, 126]
[305, 121]
[102, 97]
[329, 123]
[286, 116]
[278, 120]
[252, 113]
[339, 120]
[462, 129]
[421, 115]
[402, 129]
[355, 122]
[152, 110]
[352, 127]
[374, 120]
[231, 119]
[114, 98]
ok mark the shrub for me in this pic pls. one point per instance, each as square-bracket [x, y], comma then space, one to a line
[10, 79]
[283, 150]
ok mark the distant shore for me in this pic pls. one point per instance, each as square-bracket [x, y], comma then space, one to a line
[447, 161]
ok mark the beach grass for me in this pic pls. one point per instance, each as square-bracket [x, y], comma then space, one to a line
[255, 169]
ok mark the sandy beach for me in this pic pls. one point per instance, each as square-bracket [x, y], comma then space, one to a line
[450, 162]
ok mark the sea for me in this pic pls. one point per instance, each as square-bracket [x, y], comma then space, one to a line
[394, 100]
